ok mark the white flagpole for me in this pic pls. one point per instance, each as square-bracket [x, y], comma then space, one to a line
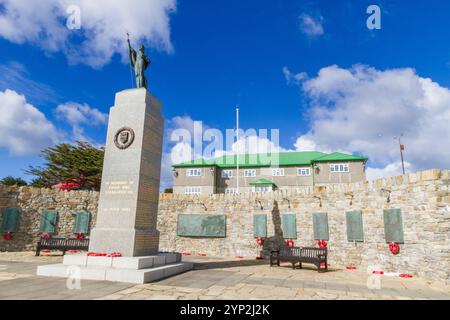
[237, 155]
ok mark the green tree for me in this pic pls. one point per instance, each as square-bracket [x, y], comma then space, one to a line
[168, 190]
[80, 163]
[40, 183]
[11, 181]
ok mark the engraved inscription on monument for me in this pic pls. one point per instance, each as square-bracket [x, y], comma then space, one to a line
[124, 138]
[119, 188]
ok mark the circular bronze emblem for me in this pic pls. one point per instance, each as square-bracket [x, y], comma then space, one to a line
[124, 138]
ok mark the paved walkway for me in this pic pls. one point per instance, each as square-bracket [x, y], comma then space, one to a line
[18, 281]
[215, 279]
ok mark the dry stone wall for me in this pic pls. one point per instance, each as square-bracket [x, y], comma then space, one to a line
[32, 202]
[423, 198]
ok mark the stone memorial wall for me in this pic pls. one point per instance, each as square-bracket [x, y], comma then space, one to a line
[417, 208]
[33, 203]
[358, 220]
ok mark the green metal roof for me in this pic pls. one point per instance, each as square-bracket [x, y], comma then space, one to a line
[337, 156]
[283, 159]
[262, 182]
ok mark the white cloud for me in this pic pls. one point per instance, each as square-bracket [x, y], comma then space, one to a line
[103, 26]
[305, 144]
[186, 122]
[15, 76]
[181, 152]
[24, 130]
[312, 27]
[294, 78]
[78, 115]
[175, 149]
[186, 137]
[391, 170]
[362, 109]
[253, 144]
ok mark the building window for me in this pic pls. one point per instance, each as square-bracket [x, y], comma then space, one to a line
[262, 189]
[193, 190]
[279, 172]
[339, 167]
[230, 191]
[194, 172]
[226, 174]
[250, 173]
[304, 172]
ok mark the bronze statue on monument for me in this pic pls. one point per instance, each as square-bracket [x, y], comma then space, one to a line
[139, 62]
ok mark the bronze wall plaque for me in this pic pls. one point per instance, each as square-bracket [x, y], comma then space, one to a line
[10, 219]
[355, 231]
[393, 225]
[201, 226]
[320, 224]
[289, 225]
[260, 225]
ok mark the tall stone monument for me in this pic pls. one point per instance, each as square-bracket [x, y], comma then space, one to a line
[128, 204]
[124, 243]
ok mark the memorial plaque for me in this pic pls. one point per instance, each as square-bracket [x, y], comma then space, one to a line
[289, 225]
[82, 222]
[393, 226]
[355, 230]
[48, 222]
[260, 225]
[320, 224]
[201, 226]
[10, 219]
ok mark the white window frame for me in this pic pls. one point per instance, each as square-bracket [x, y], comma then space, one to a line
[194, 172]
[304, 172]
[278, 172]
[339, 168]
[230, 191]
[250, 173]
[262, 189]
[227, 174]
[192, 190]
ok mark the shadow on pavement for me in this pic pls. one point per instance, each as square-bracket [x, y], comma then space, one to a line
[229, 264]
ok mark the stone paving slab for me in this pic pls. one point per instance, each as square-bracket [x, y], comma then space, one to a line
[23, 284]
[218, 279]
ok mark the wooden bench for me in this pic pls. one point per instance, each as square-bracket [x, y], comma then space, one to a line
[62, 244]
[294, 255]
[285, 254]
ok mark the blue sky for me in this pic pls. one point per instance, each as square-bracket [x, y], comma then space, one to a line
[212, 55]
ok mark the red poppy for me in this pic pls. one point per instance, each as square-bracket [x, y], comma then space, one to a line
[67, 186]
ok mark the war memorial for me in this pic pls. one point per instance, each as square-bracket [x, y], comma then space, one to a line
[311, 226]
[128, 203]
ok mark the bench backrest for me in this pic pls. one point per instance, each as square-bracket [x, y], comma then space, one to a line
[290, 251]
[63, 242]
[313, 252]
